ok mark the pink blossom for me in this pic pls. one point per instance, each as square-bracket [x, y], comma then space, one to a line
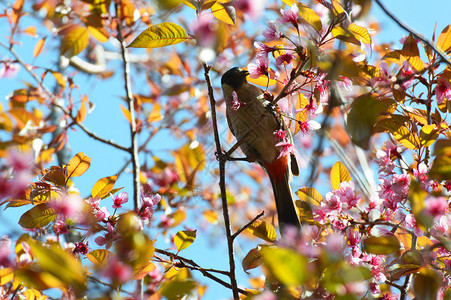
[347, 195]
[19, 161]
[272, 32]
[389, 296]
[25, 258]
[266, 295]
[280, 134]
[60, 227]
[148, 202]
[286, 148]
[442, 89]
[258, 69]
[332, 203]
[102, 214]
[120, 199]
[436, 206]
[386, 165]
[290, 15]
[164, 179]
[204, 29]
[323, 87]
[353, 237]
[338, 224]
[8, 69]
[236, 104]
[5, 251]
[108, 238]
[410, 221]
[285, 59]
[263, 49]
[384, 79]
[117, 271]
[68, 206]
[305, 127]
[407, 74]
[94, 203]
[81, 248]
[421, 173]
[440, 228]
[252, 8]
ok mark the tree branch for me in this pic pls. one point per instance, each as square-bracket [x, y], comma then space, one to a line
[415, 34]
[247, 225]
[222, 161]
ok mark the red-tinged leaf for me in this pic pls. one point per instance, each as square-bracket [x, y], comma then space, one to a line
[310, 16]
[252, 260]
[360, 33]
[184, 239]
[55, 176]
[338, 174]
[37, 217]
[410, 46]
[78, 165]
[39, 46]
[103, 187]
[381, 245]
[100, 257]
[225, 13]
[263, 230]
[444, 39]
[74, 42]
[160, 35]
[6, 275]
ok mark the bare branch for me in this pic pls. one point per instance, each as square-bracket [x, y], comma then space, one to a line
[247, 225]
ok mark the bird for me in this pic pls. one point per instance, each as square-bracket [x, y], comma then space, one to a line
[254, 122]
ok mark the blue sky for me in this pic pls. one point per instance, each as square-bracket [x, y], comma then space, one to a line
[109, 122]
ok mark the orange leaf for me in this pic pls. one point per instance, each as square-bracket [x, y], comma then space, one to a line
[30, 30]
[252, 260]
[103, 186]
[126, 113]
[74, 42]
[38, 47]
[81, 114]
[6, 275]
[444, 39]
[78, 165]
[142, 270]
[155, 115]
[99, 257]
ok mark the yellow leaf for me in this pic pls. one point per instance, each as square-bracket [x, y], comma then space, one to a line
[263, 80]
[339, 174]
[263, 230]
[160, 35]
[286, 265]
[103, 186]
[155, 115]
[38, 47]
[303, 114]
[59, 78]
[184, 239]
[310, 16]
[224, 13]
[142, 270]
[99, 33]
[361, 33]
[189, 4]
[74, 42]
[6, 275]
[211, 216]
[428, 135]
[444, 39]
[126, 113]
[406, 137]
[33, 294]
[99, 257]
[381, 245]
[309, 195]
[78, 165]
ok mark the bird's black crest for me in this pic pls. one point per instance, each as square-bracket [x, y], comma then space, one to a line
[234, 77]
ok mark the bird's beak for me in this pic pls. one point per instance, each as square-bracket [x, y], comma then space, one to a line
[244, 72]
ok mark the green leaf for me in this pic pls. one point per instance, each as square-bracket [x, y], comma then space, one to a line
[361, 118]
[78, 165]
[160, 35]
[263, 230]
[177, 289]
[61, 264]
[338, 174]
[103, 187]
[74, 42]
[286, 265]
[37, 217]
[184, 239]
[381, 245]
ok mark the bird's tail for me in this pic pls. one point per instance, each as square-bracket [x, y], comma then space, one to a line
[279, 174]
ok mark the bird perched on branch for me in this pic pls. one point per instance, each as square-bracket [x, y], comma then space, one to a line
[264, 137]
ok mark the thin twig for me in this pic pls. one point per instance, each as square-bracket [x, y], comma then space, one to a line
[405, 287]
[222, 186]
[247, 225]
[131, 107]
[415, 34]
